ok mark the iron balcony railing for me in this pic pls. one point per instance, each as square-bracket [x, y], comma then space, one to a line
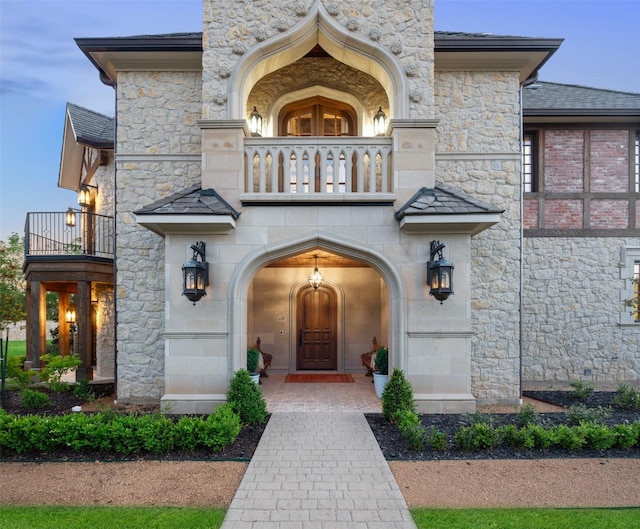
[318, 165]
[50, 234]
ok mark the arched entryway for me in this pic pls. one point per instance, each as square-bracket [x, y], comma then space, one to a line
[263, 297]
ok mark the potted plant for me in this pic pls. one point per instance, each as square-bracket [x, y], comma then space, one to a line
[381, 370]
[253, 359]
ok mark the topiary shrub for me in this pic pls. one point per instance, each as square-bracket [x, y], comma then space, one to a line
[382, 361]
[253, 358]
[246, 399]
[397, 395]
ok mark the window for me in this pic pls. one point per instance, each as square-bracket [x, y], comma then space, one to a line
[529, 170]
[637, 158]
[629, 299]
[317, 116]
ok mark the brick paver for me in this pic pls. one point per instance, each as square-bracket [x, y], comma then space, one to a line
[318, 470]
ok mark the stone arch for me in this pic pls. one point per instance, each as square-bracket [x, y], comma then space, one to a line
[253, 262]
[317, 28]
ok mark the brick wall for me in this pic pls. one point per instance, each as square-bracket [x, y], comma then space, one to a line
[609, 160]
[564, 161]
[563, 214]
[609, 214]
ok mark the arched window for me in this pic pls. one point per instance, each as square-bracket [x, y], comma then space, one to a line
[317, 116]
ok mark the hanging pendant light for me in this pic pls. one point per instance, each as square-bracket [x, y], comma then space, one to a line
[316, 278]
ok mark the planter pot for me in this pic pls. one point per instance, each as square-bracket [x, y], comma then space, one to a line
[255, 377]
[379, 382]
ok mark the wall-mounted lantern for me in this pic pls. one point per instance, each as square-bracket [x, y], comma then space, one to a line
[380, 123]
[316, 278]
[195, 274]
[84, 195]
[255, 123]
[70, 218]
[70, 315]
[439, 273]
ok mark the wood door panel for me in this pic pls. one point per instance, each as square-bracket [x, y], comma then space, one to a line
[316, 329]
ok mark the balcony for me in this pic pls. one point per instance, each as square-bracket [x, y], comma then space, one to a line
[51, 235]
[318, 169]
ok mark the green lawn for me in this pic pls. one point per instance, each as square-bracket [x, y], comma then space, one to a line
[16, 348]
[527, 518]
[20, 517]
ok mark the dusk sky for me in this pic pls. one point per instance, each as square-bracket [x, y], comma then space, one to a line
[41, 68]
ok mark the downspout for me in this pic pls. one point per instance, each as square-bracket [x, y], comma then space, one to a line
[113, 84]
[533, 78]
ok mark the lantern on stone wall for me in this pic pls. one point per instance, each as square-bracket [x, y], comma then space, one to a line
[439, 273]
[195, 274]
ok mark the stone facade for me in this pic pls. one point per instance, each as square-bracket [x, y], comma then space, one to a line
[571, 313]
[462, 128]
[157, 154]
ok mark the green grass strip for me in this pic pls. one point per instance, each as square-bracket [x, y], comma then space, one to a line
[16, 348]
[611, 518]
[21, 517]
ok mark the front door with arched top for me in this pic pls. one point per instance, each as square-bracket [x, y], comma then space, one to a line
[316, 328]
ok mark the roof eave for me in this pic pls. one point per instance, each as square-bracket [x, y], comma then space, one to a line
[143, 53]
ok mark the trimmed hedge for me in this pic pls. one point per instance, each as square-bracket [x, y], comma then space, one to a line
[120, 434]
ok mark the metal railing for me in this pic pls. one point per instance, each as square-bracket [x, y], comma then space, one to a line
[49, 234]
[318, 165]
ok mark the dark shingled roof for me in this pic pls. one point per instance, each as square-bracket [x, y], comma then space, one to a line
[92, 128]
[191, 201]
[563, 99]
[444, 200]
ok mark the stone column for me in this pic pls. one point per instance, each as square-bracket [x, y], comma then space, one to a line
[223, 158]
[413, 156]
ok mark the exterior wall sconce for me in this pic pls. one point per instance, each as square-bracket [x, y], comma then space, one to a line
[70, 315]
[255, 123]
[84, 195]
[316, 278]
[195, 274]
[380, 123]
[70, 218]
[439, 273]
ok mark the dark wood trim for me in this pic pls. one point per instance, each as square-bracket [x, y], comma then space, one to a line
[582, 233]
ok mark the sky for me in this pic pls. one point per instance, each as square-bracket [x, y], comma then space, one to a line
[41, 68]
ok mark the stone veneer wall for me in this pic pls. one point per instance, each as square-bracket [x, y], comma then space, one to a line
[158, 153]
[478, 152]
[324, 71]
[571, 313]
[231, 29]
[105, 339]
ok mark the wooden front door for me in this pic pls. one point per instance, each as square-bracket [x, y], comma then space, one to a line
[316, 319]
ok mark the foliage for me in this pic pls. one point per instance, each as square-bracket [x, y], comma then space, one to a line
[82, 390]
[12, 284]
[412, 431]
[627, 397]
[581, 413]
[382, 360]
[582, 390]
[253, 358]
[479, 436]
[34, 400]
[116, 433]
[55, 367]
[27, 517]
[528, 414]
[246, 399]
[438, 440]
[397, 395]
